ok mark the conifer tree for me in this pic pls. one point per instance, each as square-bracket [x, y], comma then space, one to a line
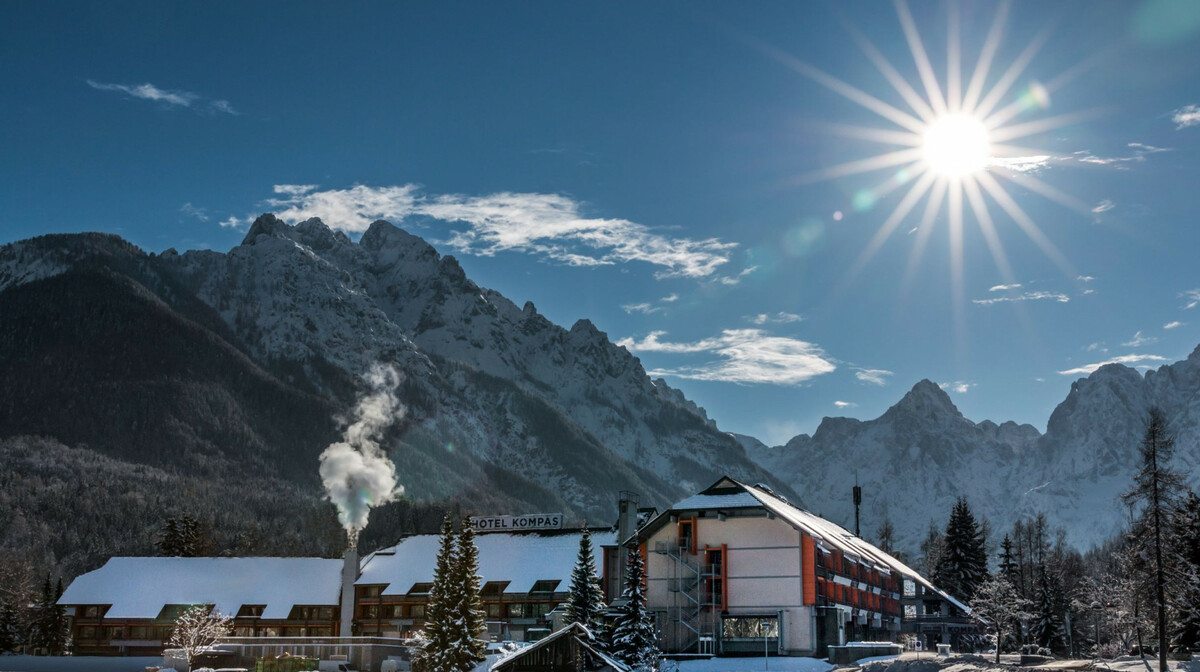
[886, 536]
[10, 629]
[1157, 488]
[469, 616]
[963, 565]
[633, 639]
[442, 609]
[1185, 632]
[585, 605]
[1009, 565]
[1047, 626]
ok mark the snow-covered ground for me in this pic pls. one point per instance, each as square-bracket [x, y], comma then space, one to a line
[751, 664]
[76, 664]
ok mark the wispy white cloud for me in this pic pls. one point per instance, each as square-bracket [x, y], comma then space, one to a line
[1085, 278]
[1139, 340]
[192, 211]
[743, 356]
[1026, 296]
[1002, 288]
[1036, 163]
[736, 279]
[958, 386]
[551, 226]
[1096, 347]
[1188, 115]
[873, 376]
[1104, 206]
[1172, 325]
[775, 318]
[1192, 296]
[670, 298]
[233, 222]
[1024, 164]
[1088, 369]
[168, 97]
[643, 308]
[845, 404]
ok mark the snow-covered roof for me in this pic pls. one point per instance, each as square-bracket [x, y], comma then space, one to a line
[141, 587]
[736, 500]
[733, 494]
[520, 558]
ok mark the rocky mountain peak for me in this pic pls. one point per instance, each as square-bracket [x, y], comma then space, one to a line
[266, 225]
[925, 400]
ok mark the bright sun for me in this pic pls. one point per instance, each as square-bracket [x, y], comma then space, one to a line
[956, 145]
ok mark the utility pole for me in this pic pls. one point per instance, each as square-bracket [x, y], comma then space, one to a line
[857, 504]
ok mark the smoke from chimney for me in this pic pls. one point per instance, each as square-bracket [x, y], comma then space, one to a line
[356, 472]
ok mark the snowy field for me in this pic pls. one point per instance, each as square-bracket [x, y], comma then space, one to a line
[76, 664]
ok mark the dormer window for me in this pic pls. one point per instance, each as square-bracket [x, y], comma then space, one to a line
[420, 589]
[493, 588]
[251, 611]
[545, 586]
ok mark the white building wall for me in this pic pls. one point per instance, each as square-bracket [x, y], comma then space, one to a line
[763, 569]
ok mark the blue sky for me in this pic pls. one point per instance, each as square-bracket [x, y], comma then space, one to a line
[663, 170]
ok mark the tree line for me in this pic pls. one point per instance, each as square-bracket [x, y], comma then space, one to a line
[1137, 593]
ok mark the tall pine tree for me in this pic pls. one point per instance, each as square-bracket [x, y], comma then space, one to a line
[633, 639]
[1185, 632]
[1047, 627]
[963, 564]
[585, 605]
[1156, 487]
[442, 610]
[469, 614]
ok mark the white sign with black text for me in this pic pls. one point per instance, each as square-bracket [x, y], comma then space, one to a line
[533, 521]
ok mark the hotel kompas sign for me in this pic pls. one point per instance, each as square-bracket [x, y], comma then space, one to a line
[533, 521]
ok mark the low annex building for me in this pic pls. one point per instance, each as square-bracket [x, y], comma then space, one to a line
[739, 569]
[524, 577]
[129, 606]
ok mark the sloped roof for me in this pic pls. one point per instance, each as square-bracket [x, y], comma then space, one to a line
[141, 587]
[728, 493]
[520, 558]
[581, 634]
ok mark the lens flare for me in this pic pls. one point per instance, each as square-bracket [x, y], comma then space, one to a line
[956, 145]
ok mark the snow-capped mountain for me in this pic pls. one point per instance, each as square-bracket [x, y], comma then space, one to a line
[921, 454]
[550, 417]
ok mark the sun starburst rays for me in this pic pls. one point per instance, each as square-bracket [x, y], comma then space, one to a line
[953, 138]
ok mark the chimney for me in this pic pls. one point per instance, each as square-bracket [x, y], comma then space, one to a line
[349, 576]
[627, 519]
[627, 508]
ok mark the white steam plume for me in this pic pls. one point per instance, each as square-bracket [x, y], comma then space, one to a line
[356, 472]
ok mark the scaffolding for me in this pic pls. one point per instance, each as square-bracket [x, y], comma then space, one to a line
[691, 584]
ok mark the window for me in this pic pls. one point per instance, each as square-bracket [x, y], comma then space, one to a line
[516, 610]
[244, 631]
[370, 611]
[324, 613]
[251, 610]
[493, 609]
[420, 589]
[750, 627]
[91, 611]
[87, 632]
[416, 611]
[113, 632]
[320, 632]
[394, 611]
[140, 632]
[370, 591]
